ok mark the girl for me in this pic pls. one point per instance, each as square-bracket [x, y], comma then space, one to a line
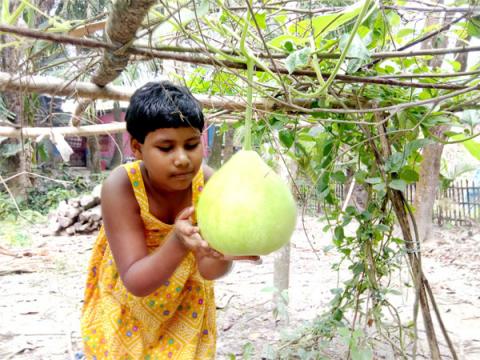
[149, 292]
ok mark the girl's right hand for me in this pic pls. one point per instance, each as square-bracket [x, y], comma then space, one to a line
[189, 234]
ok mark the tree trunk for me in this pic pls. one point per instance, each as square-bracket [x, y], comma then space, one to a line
[287, 168]
[215, 159]
[93, 158]
[9, 60]
[228, 150]
[427, 185]
[118, 138]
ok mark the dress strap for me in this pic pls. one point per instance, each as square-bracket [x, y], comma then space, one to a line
[197, 186]
[135, 175]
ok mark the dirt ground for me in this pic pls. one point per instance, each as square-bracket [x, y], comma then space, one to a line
[42, 289]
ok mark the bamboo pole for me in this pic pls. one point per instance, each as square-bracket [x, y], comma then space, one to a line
[87, 130]
[78, 89]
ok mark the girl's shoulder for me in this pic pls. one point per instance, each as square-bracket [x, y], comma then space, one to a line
[117, 188]
[117, 179]
[207, 172]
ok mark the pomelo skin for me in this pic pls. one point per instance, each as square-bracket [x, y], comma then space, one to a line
[246, 208]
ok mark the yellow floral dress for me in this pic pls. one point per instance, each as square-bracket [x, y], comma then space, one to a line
[177, 321]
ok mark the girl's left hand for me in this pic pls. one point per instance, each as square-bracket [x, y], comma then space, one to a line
[219, 256]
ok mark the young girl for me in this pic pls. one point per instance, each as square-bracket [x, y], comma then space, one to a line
[149, 292]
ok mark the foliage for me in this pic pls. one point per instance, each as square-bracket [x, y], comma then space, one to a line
[46, 195]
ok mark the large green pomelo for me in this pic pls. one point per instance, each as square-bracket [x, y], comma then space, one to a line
[246, 208]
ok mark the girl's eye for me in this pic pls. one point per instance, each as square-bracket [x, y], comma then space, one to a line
[191, 146]
[164, 148]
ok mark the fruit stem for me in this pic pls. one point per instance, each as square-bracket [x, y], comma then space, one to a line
[247, 142]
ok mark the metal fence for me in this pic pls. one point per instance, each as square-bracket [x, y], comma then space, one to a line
[458, 204]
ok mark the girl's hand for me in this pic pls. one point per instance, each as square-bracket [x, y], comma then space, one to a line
[189, 236]
[187, 233]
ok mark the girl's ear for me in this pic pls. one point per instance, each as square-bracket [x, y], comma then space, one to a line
[136, 149]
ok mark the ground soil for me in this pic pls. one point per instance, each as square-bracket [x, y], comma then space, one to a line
[42, 289]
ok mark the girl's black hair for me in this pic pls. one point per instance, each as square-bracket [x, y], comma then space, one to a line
[162, 104]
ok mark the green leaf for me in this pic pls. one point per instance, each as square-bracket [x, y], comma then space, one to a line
[203, 8]
[375, 180]
[280, 19]
[297, 59]
[358, 268]
[248, 351]
[42, 152]
[338, 315]
[261, 19]
[288, 46]
[456, 65]
[287, 138]
[279, 41]
[395, 162]
[357, 53]
[398, 184]
[470, 117]
[473, 26]
[338, 235]
[404, 32]
[416, 145]
[324, 24]
[382, 227]
[409, 175]
[339, 177]
[434, 120]
[379, 187]
[471, 145]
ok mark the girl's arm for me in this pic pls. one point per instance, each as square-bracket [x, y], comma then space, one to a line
[211, 268]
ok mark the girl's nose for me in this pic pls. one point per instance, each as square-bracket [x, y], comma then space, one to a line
[181, 159]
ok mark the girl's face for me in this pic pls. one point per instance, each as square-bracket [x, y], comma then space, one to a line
[171, 156]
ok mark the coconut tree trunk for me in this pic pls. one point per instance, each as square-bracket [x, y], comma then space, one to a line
[123, 22]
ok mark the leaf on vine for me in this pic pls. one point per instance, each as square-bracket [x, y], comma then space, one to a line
[286, 138]
[279, 41]
[324, 24]
[473, 26]
[409, 174]
[398, 184]
[357, 53]
[471, 145]
[261, 19]
[297, 59]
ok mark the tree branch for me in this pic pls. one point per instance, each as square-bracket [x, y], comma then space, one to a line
[193, 59]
